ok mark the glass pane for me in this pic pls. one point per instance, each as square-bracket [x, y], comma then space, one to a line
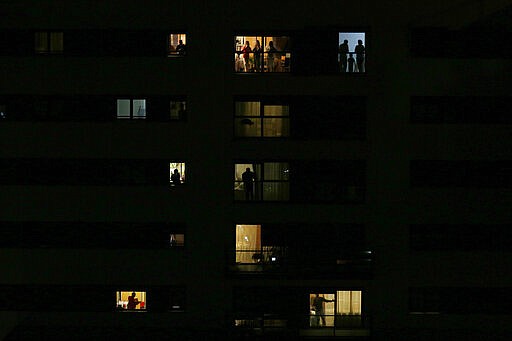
[139, 108]
[177, 110]
[276, 191]
[248, 127]
[56, 41]
[131, 300]
[176, 44]
[348, 303]
[241, 187]
[248, 243]
[123, 108]
[276, 60]
[276, 110]
[247, 53]
[176, 239]
[276, 171]
[276, 127]
[176, 173]
[247, 108]
[321, 310]
[41, 42]
[352, 54]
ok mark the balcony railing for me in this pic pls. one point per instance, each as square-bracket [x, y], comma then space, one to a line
[352, 62]
[286, 260]
[276, 62]
[307, 326]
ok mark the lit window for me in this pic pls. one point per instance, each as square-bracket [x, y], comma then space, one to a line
[262, 53]
[248, 244]
[177, 110]
[176, 239]
[131, 109]
[340, 309]
[251, 250]
[267, 181]
[131, 300]
[49, 42]
[257, 119]
[177, 45]
[176, 173]
[352, 52]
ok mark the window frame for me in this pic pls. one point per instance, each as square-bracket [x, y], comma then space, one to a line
[365, 43]
[132, 117]
[49, 49]
[172, 53]
[285, 68]
[237, 118]
[259, 189]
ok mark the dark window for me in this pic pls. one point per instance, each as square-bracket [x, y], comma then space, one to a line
[469, 42]
[112, 235]
[460, 110]
[460, 237]
[103, 172]
[48, 42]
[443, 173]
[459, 300]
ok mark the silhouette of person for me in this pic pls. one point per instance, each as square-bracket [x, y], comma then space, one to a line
[257, 55]
[351, 62]
[181, 49]
[246, 50]
[271, 56]
[343, 55]
[176, 177]
[248, 178]
[360, 51]
[132, 301]
[318, 307]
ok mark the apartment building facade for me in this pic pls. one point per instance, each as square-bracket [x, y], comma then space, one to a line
[160, 179]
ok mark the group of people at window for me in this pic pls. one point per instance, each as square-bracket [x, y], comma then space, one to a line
[257, 63]
[347, 61]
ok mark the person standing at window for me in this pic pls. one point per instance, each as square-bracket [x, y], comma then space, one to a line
[176, 178]
[360, 51]
[257, 56]
[318, 307]
[181, 49]
[248, 178]
[343, 55]
[246, 50]
[351, 62]
[271, 50]
[132, 302]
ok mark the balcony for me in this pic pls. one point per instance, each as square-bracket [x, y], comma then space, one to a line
[283, 260]
[349, 326]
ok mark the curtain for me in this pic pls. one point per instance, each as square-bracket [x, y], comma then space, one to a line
[250, 125]
[274, 124]
[348, 303]
[248, 242]
[276, 185]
